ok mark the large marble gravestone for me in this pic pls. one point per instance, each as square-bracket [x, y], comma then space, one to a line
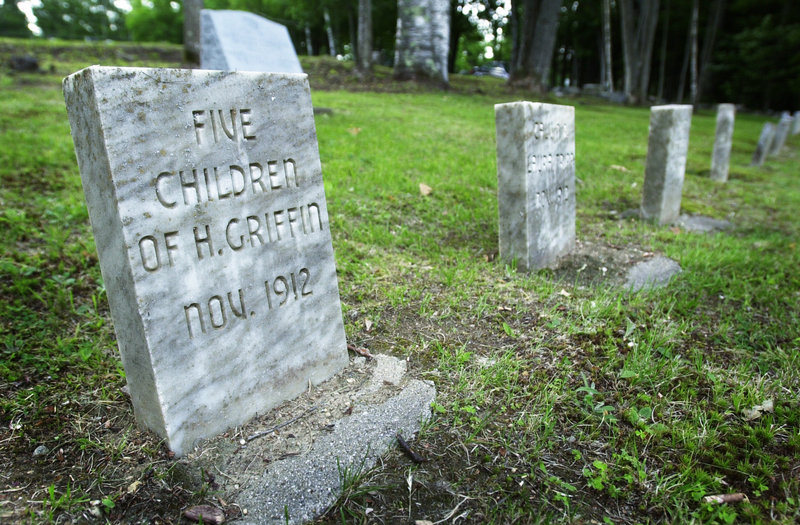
[205, 195]
[241, 41]
[535, 182]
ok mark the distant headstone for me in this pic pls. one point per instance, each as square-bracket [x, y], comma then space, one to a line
[796, 123]
[535, 182]
[205, 195]
[191, 30]
[23, 63]
[665, 168]
[422, 39]
[242, 41]
[764, 144]
[781, 133]
[721, 156]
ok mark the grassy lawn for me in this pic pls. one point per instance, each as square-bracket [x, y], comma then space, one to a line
[560, 397]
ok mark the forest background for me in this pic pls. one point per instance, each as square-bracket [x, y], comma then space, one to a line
[739, 51]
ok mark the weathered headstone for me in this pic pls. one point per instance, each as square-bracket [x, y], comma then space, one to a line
[242, 41]
[796, 123]
[205, 195]
[781, 133]
[191, 30]
[422, 40]
[721, 156]
[665, 167]
[764, 145]
[535, 182]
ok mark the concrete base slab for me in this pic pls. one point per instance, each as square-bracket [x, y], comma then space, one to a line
[692, 223]
[701, 224]
[288, 466]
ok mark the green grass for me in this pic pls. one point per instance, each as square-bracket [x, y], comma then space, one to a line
[558, 400]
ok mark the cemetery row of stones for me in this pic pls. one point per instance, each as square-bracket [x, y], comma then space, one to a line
[213, 232]
[205, 194]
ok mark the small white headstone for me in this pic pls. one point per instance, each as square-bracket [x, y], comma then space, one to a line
[242, 41]
[721, 156]
[764, 145]
[781, 133]
[535, 182]
[205, 194]
[796, 123]
[665, 168]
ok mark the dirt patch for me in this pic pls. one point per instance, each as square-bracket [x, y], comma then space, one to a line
[594, 263]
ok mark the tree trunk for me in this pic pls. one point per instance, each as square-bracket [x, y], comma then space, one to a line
[329, 30]
[516, 36]
[455, 34]
[650, 24]
[693, 36]
[422, 40]
[608, 77]
[662, 67]
[309, 49]
[534, 55]
[364, 54]
[638, 34]
[685, 67]
[352, 29]
[714, 22]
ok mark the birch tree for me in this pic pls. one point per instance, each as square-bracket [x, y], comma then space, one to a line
[639, 19]
[608, 76]
[364, 47]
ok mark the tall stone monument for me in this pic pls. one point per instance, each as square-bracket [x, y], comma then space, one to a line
[721, 156]
[764, 145]
[205, 195]
[242, 41]
[535, 182]
[665, 167]
[422, 40]
[191, 30]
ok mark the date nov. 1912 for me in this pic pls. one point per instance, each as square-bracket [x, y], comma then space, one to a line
[220, 310]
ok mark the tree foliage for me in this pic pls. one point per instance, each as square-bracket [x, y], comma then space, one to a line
[748, 51]
[81, 19]
[156, 21]
[12, 21]
[757, 61]
[747, 48]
